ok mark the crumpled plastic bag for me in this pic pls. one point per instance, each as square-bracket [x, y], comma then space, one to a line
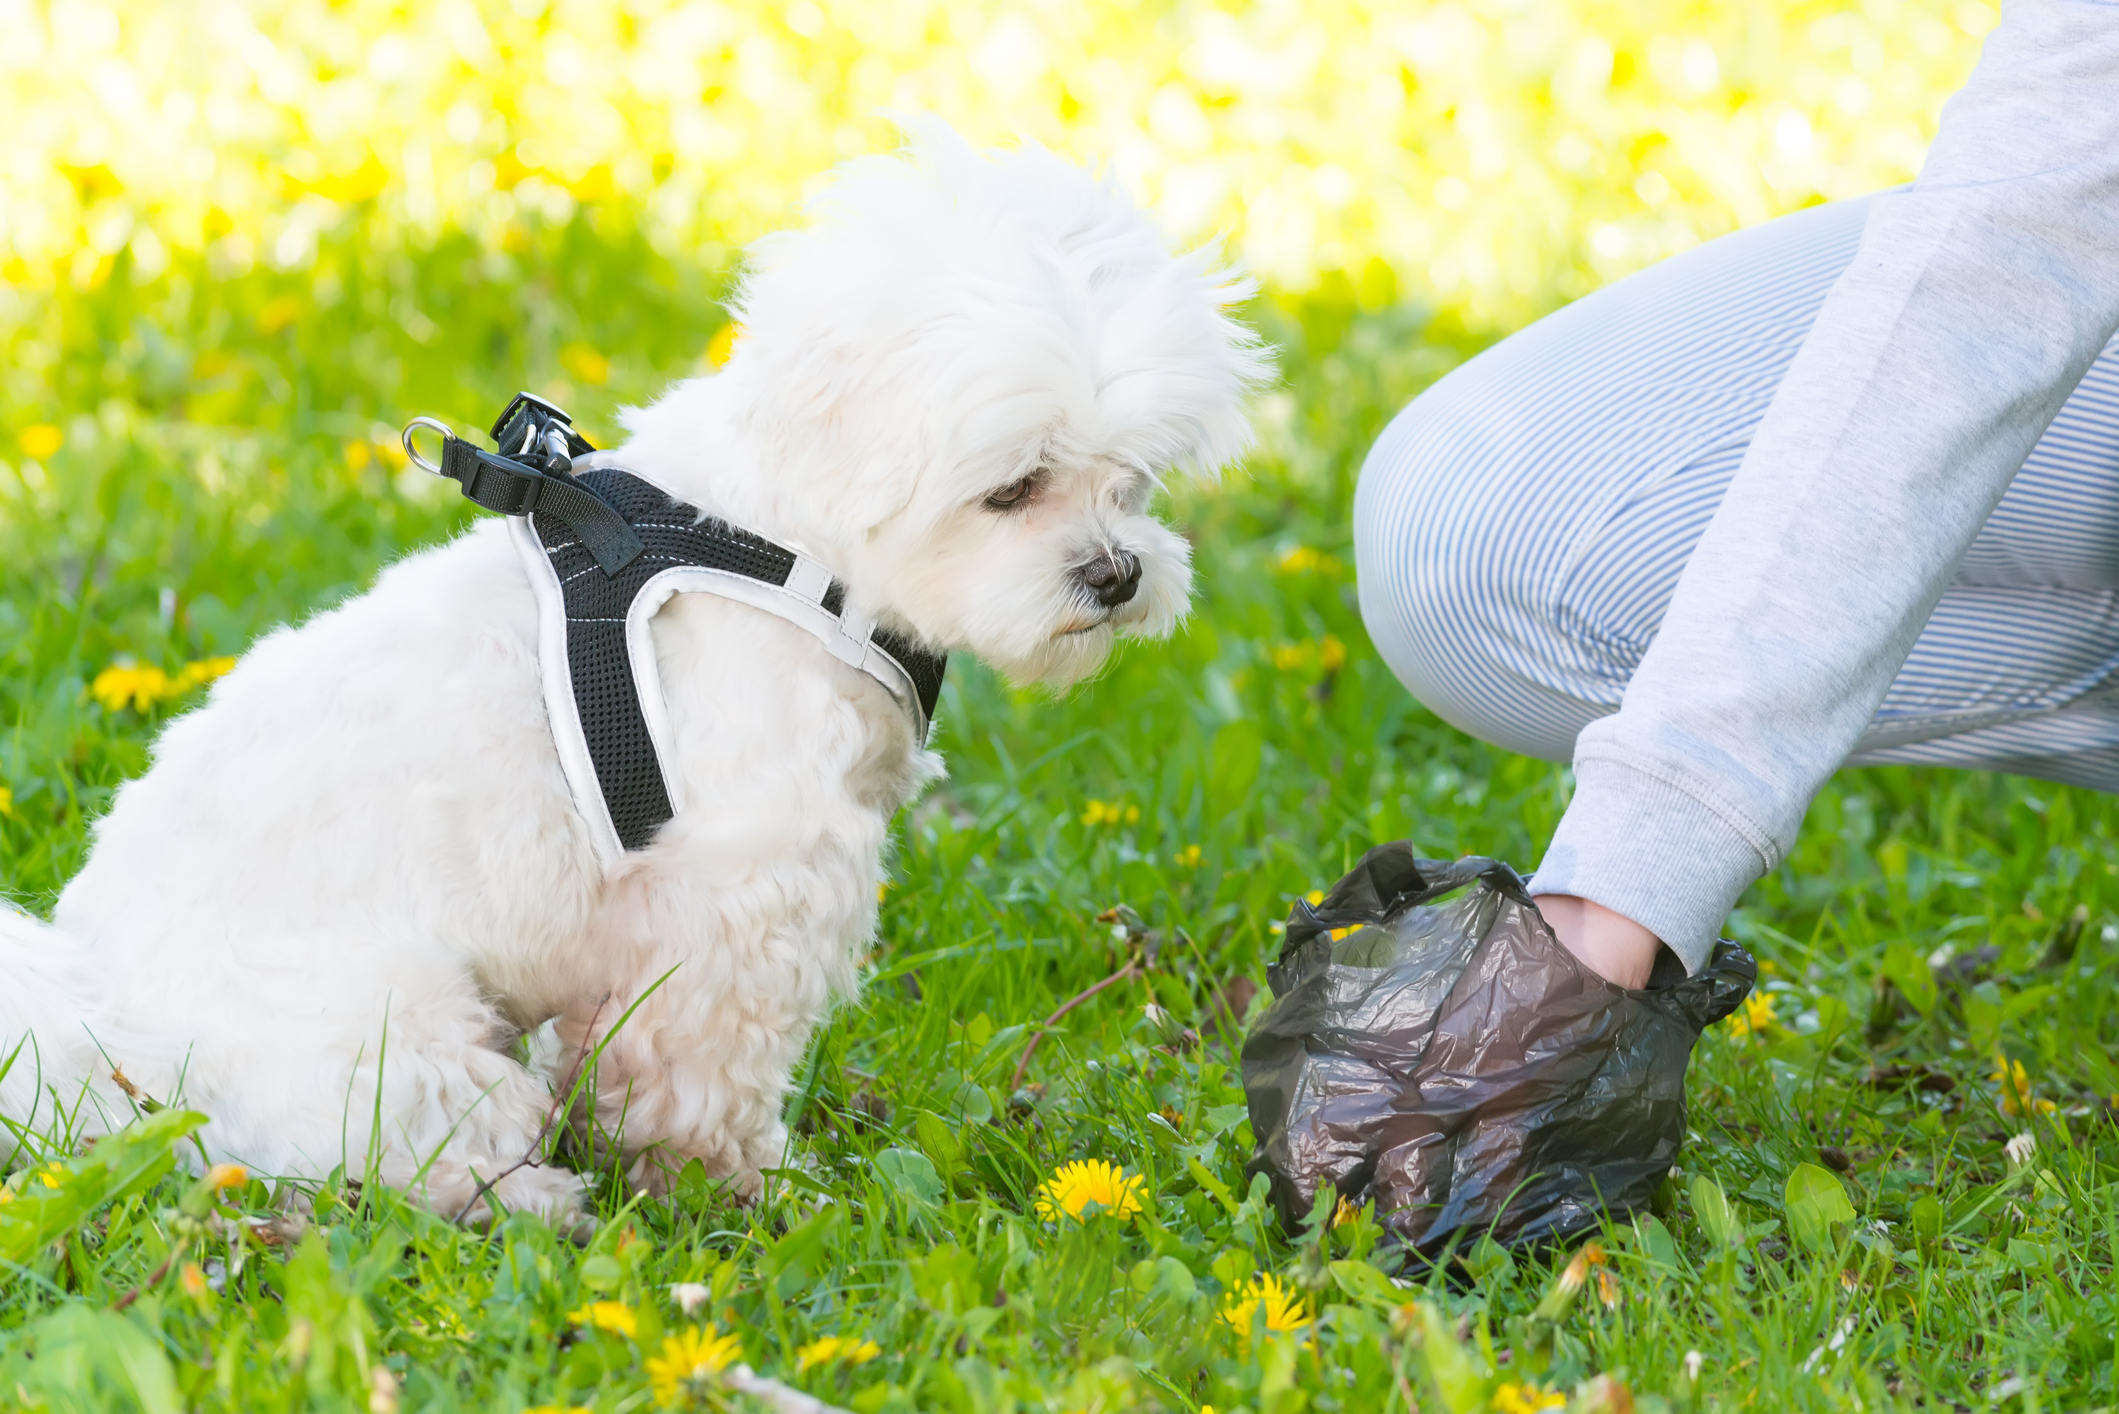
[1451, 1060]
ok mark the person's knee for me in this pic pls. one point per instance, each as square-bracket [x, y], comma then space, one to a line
[1447, 589]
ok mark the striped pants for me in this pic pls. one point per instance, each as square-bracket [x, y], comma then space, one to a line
[1519, 529]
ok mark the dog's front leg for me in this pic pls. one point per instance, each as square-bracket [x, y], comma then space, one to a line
[693, 1059]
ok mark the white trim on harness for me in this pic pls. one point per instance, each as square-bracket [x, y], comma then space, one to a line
[559, 706]
[800, 602]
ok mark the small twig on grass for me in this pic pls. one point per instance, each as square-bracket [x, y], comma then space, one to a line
[154, 1279]
[562, 1100]
[1131, 969]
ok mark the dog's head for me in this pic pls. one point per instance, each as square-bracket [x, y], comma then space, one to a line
[965, 381]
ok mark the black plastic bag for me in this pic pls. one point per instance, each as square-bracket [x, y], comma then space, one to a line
[1454, 1062]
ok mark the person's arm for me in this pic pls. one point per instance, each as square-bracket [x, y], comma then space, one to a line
[1979, 298]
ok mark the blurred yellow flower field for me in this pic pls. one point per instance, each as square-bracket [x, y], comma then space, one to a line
[1491, 157]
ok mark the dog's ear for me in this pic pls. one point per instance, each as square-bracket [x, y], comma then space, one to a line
[820, 410]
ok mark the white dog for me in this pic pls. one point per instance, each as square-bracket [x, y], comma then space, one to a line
[355, 876]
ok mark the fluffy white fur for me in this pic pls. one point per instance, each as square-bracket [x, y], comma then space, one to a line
[367, 822]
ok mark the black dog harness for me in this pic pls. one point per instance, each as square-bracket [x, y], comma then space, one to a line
[605, 549]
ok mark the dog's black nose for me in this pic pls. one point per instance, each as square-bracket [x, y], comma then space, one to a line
[1113, 577]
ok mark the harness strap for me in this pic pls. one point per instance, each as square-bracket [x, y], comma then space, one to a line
[605, 549]
[513, 489]
[612, 680]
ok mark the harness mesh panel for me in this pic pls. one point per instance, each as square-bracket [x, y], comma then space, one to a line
[612, 723]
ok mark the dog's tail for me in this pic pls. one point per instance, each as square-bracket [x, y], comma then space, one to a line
[49, 1024]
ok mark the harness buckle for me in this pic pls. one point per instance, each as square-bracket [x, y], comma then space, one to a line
[534, 430]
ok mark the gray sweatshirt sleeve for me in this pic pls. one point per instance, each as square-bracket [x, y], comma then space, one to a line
[1979, 298]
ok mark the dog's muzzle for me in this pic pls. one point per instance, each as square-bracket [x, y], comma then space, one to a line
[1113, 577]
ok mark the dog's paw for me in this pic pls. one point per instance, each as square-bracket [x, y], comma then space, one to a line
[466, 1193]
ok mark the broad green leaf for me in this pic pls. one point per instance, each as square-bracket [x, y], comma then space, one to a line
[911, 1172]
[1655, 1239]
[2028, 1256]
[90, 1359]
[939, 1140]
[1362, 1282]
[1487, 1259]
[791, 1260]
[57, 1199]
[1174, 1281]
[1815, 1202]
[1233, 1268]
[1710, 1206]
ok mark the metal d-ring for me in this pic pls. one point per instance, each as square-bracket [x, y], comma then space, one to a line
[412, 452]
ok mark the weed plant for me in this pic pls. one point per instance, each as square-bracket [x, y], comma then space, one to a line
[1852, 1227]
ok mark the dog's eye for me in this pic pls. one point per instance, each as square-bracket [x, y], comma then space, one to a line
[1016, 492]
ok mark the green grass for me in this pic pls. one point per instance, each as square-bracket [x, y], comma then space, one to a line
[205, 493]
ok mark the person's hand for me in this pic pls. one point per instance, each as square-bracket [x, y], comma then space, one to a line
[1609, 944]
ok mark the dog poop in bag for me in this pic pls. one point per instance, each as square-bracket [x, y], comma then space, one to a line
[1448, 1058]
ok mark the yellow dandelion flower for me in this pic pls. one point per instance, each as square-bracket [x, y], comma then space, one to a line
[193, 1280]
[1348, 931]
[1577, 1271]
[128, 684]
[835, 1350]
[357, 454]
[7, 1195]
[1512, 1398]
[198, 673]
[1346, 1214]
[1282, 1304]
[689, 1361]
[1075, 1187]
[586, 364]
[7, 801]
[1314, 897]
[141, 686]
[1331, 654]
[227, 1176]
[40, 439]
[722, 344]
[1755, 1015]
[2015, 1083]
[54, 1174]
[1290, 657]
[277, 314]
[613, 1316]
[1305, 560]
[1188, 857]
